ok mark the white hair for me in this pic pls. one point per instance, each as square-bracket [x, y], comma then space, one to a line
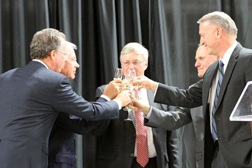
[137, 48]
[72, 45]
[222, 20]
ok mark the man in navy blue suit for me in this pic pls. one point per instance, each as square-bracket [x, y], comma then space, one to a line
[61, 141]
[33, 95]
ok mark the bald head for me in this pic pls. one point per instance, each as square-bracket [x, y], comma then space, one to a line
[203, 60]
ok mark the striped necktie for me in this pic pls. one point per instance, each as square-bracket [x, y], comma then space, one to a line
[214, 128]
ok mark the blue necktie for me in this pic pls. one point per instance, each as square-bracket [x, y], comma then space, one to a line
[214, 129]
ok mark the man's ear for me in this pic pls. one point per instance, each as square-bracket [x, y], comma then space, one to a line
[146, 64]
[52, 54]
[219, 32]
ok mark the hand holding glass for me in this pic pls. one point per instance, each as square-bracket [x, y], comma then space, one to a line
[129, 76]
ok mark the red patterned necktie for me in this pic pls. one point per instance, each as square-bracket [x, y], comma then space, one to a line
[141, 139]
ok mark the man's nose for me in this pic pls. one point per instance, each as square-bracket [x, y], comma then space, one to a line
[131, 66]
[202, 41]
[197, 64]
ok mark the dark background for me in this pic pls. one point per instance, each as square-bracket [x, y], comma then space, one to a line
[100, 28]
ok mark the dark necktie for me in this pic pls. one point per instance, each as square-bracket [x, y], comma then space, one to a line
[214, 129]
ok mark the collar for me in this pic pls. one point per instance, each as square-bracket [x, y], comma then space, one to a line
[37, 60]
[228, 54]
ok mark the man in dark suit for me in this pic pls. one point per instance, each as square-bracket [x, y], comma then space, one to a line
[192, 152]
[192, 135]
[33, 95]
[116, 139]
[61, 140]
[232, 145]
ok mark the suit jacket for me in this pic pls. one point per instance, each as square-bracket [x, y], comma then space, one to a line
[234, 138]
[116, 141]
[191, 153]
[62, 143]
[31, 98]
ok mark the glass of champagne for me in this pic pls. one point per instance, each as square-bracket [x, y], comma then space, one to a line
[127, 81]
[118, 73]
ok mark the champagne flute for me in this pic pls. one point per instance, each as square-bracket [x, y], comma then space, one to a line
[129, 76]
[118, 73]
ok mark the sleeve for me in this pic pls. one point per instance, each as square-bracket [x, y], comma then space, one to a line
[172, 149]
[78, 126]
[191, 97]
[66, 100]
[102, 126]
[169, 120]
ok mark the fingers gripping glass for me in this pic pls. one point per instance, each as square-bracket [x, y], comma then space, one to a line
[65, 53]
[129, 76]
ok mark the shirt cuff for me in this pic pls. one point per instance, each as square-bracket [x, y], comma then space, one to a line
[108, 99]
[118, 103]
[105, 97]
[149, 114]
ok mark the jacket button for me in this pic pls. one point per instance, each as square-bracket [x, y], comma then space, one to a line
[132, 155]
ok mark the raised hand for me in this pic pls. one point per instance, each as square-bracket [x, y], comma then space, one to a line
[124, 97]
[139, 106]
[113, 88]
[144, 82]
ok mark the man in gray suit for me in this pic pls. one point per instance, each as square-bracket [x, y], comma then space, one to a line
[116, 139]
[33, 95]
[192, 150]
[228, 144]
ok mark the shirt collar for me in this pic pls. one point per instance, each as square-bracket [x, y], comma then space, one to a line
[37, 60]
[228, 54]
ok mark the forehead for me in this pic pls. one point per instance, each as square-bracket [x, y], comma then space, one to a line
[201, 52]
[71, 53]
[131, 56]
[206, 26]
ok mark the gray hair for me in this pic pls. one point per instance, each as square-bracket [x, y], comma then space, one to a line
[137, 48]
[222, 20]
[71, 45]
[45, 41]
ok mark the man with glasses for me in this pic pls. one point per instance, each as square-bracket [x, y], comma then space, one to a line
[32, 97]
[116, 139]
[65, 53]
[61, 141]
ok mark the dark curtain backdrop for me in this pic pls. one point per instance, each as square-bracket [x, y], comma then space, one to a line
[100, 28]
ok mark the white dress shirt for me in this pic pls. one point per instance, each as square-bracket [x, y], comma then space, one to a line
[152, 150]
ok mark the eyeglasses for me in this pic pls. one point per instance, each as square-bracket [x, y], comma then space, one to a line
[65, 53]
[134, 63]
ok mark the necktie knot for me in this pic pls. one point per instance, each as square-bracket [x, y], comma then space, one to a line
[221, 64]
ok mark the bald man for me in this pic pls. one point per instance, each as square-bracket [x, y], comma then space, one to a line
[203, 60]
[191, 150]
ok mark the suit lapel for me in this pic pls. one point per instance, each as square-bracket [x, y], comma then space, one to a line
[208, 80]
[150, 96]
[230, 67]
